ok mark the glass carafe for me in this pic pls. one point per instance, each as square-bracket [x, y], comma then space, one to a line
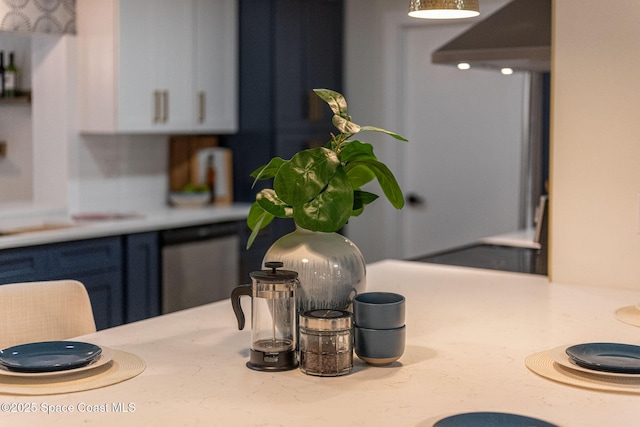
[273, 317]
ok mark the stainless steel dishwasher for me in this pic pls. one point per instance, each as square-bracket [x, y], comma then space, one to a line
[200, 264]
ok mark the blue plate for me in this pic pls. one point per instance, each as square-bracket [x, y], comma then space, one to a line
[606, 357]
[491, 419]
[48, 356]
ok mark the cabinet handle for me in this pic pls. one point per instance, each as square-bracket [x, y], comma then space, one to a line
[156, 106]
[201, 106]
[315, 107]
[165, 106]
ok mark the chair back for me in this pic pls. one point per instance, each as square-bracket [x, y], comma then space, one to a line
[44, 311]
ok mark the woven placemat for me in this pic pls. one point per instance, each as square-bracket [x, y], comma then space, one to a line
[122, 367]
[629, 315]
[542, 363]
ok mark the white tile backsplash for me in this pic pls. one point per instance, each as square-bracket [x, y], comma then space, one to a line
[120, 173]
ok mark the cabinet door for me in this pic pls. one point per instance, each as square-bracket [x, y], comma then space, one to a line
[138, 61]
[155, 88]
[308, 56]
[173, 62]
[97, 263]
[138, 105]
[142, 276]
[22, 265]
[216, 65]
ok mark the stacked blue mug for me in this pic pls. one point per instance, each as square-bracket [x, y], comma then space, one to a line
[379, 330]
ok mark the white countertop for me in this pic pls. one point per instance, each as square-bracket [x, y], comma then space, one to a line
[520, 239]
[156, 219]
[468, 334]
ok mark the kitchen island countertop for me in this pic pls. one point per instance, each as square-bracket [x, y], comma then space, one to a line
[469, 332]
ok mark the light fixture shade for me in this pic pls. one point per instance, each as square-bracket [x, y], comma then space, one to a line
[38, 16]
[443, 9]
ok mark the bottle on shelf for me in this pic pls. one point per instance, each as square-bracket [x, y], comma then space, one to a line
[11, 78]
[211, 178]
[1, 73]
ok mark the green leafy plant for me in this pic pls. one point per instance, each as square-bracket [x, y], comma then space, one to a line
[320, 187]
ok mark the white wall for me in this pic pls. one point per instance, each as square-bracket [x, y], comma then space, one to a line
[16, 178]
[48, 163]
[377, 32]
[595, 171]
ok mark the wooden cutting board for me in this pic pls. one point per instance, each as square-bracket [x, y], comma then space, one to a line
[186, 165]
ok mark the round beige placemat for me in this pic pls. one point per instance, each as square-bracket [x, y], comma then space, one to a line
[122, 367]
[630, 315]
[542, 363]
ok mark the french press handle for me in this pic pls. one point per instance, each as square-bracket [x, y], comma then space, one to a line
[235, 302]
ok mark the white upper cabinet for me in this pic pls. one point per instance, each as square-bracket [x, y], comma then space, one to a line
[158, 66]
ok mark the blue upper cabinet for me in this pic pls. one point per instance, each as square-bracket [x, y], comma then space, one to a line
[308, 55]
[287, 49]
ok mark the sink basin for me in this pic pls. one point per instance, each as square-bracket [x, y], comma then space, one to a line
[35, 228]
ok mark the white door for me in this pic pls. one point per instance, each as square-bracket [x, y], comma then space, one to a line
[462, 165]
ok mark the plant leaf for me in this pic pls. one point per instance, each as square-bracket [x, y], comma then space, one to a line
[257, 219]
[336, 101]
[269, 201]
[330, 210]
[376, 129]
[303, 177]
[267, 171]
[354, 150]
[345, 125]
[386, 180]
[359, 175]
[362, 198]
[254, 218]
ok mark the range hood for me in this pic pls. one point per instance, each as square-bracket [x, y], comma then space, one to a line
[517, 36]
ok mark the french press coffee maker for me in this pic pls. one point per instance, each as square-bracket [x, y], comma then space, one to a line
[273, 317]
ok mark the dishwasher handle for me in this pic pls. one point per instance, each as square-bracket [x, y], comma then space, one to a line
[196, 233]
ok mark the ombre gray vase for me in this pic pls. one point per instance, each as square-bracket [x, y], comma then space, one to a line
[330, 268]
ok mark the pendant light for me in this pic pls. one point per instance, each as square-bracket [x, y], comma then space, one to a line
[443, 9]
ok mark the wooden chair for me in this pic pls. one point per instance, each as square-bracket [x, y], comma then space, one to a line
[44, 311]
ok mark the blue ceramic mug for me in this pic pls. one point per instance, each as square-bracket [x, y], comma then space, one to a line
[378, 310]
[379, 346]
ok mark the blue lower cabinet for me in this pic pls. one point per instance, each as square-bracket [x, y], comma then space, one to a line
[121, 273]
[98, 264]
[142, 276]
[23, 264]
[106, 295]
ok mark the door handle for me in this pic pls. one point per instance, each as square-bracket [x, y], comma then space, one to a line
[156, 106]
[201, 106]
[165, 106]
[416, 200]
[314, 113]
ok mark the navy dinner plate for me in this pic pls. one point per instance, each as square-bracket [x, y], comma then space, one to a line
[48, 356]
[491, 419]
[606, 357]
